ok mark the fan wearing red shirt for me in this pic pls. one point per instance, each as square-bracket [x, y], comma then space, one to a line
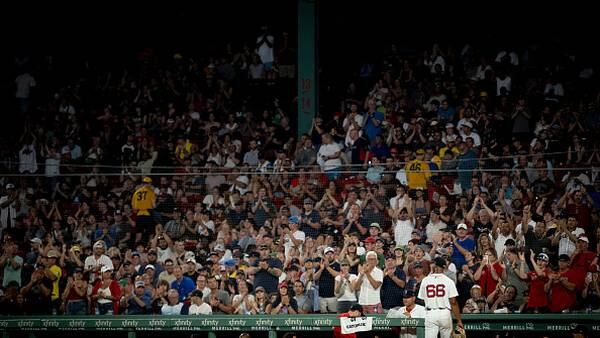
[561, 286]
[356, 310]
[489, 272]
[538, 278]
[584, 261]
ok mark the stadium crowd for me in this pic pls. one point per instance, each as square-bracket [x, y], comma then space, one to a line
[179, 186]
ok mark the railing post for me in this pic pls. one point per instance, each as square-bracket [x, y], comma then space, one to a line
[420, 331]
[272, 334]
[131, 334]
[4, 334]
[212, 335]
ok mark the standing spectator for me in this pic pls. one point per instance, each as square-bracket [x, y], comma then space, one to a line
[54, 273]
[138, 302]
[403, 225]
[417, 171]
[218, 299]
[394, 281]
[373, 120]
[515, 272]
[565, 236]
[328, 157]
[37, 293]
[243, 302]
[75, 294]
[142, 202]
[183, 284]
[560, 287]
[461, 245]
[325, 277]
[267, 270]
[584, 261]
[106, 294]
[310, 219]
[466, 163]
[303, 297]
[344, 291]
[538, 302]
[9, 204]
[28, 159]
[264, 49]
[369, 296]
[174, 307]
[292, 237]
[24, 83]
[95, 262]
[12, 263]
[489, 272]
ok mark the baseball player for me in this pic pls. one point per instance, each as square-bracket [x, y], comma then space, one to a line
[409, 310]
[439, 294]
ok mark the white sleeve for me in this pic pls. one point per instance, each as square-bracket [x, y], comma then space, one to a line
[422, 295]
[451, 287]
[378, 275]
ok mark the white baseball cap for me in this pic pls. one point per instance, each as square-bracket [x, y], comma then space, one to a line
[106, 268]
[461, 226]
[583, 238]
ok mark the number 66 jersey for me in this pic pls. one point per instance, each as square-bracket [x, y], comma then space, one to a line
[436, 290]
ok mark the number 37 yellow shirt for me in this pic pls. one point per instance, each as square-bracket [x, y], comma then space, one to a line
[143, 200]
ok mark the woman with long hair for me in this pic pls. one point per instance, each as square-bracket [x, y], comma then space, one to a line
[106, 294]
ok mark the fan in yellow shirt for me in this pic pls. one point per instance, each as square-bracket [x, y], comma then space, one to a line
[142, 202]
[417, 171]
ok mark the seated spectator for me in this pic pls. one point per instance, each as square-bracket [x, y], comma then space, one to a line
[284, 303]
[197, 305]
[477, 303]
[505, 300]
[138, 302]
[174, 306]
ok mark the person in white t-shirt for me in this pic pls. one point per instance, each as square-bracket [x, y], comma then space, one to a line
[439, 294]
[345, 293]
[97, 260]
[328, 157]
[566, 236]
[369, 281]
[292, 237]
[403, 225]
[198, 306]
[264, 48]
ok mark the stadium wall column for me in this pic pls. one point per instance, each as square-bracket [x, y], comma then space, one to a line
[307, 64]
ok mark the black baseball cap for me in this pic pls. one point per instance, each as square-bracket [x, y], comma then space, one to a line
[356, 307]
[439, 261]
[408, 293]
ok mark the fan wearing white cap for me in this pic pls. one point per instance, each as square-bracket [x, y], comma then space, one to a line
[97, 260]
[467, 131]
[461, 245]
[584, 260]
[106, 293]
[8, 207]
